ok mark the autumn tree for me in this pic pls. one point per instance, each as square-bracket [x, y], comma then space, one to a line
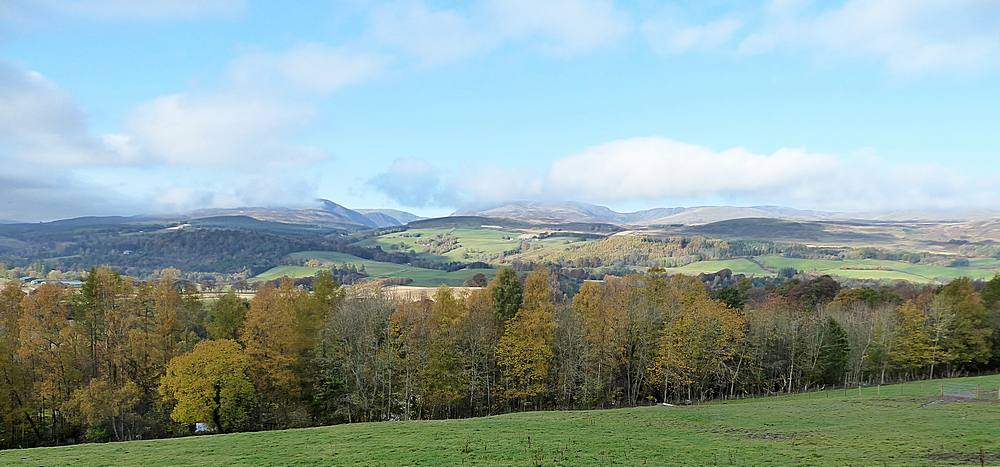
[964, 339]
[52, 351]
[100, 405]
[273, 344]
[599, 323]
[211, 384]
[524, 353]
[696, 345]
[445, 363]
[913, 348]
[18, 422]
[480, 335]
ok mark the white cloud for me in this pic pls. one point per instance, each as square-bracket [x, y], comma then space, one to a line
[310, 68]
[218, 129]
[414, 182]
[668, 36]
[433, 36]
[660, 168]
[907, 35]
[41, 124]
[44, 137]
[253, 118]
[666, 172]
[561, 26]
[322, 69]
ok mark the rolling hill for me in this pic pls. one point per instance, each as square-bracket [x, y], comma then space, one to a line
[571, 211]
[327, 214]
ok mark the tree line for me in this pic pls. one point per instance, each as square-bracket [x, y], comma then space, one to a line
[118, 360]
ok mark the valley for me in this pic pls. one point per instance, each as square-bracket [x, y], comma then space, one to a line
[222, 246]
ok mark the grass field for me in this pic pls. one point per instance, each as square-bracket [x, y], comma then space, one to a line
[738, 266]
[881, 269]
[474, 244]
[422, 277]
[873, 269]
[892, 425]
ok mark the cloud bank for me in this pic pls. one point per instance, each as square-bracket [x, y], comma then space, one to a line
[662, 171]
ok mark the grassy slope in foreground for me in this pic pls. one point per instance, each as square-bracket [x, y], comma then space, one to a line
[376, 269]
[898, 425]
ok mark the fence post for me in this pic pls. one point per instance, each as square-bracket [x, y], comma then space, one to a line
[941, 391]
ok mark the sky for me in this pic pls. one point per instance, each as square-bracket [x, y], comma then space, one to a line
[119, 107]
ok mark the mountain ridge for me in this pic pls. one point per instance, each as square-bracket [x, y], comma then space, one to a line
[572, 211]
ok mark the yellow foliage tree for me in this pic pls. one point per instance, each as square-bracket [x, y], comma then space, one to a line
[696, 344]
[211, 384]
[524, 353]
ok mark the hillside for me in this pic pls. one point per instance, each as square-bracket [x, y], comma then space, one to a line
[892, 425]
[327, 214]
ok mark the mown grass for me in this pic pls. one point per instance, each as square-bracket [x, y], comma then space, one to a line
[891, 425]
[422, 277]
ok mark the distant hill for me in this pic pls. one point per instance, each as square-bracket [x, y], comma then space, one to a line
[327, 214]
[389, 217]
[571, 211]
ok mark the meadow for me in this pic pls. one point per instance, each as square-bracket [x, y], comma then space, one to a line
[482, 244]
[905, 424]
[864, 269]
[422, 277]
[490, 245]
[983, 269]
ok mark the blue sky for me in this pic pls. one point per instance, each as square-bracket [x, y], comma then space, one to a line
[118, 107]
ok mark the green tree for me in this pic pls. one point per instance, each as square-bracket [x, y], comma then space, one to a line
[991, 300]
[211, 384]
[506, 291]
[226, 316]
[965, 340]
[834, 350]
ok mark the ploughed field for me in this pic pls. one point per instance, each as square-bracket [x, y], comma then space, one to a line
[905, 424]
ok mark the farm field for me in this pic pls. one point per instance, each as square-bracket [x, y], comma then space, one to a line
[422, 277]
[473, 244]
[893, 425]
[738, 266]
[872, 269]
[983, 269]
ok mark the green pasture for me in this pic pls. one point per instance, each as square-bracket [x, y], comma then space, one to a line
[422, 277]
[889, 425]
